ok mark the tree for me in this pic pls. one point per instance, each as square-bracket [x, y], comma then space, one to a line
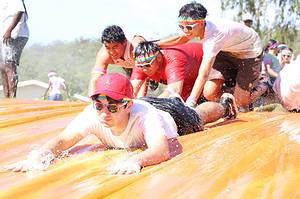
[286, 15]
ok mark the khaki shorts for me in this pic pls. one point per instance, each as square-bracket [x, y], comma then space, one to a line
[11, 53]
[244, 72]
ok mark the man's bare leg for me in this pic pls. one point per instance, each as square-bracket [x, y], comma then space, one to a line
[242, 97]
[4, 80]
[12, 77]
[212, 111]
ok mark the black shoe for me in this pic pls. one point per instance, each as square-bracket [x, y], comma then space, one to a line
[228, 102]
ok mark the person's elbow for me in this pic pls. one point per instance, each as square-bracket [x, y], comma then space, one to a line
[165, 153]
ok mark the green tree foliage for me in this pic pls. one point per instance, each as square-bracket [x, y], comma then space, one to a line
[72, 60]
[287, 18]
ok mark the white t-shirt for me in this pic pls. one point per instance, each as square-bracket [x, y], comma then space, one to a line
[144, 124]
[287, 86]
[8, 9]
[57, 83]
[232, 37]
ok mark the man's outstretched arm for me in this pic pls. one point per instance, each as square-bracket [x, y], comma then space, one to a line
[156, 152]
[41, 158]
[102, 61]
[172, 41]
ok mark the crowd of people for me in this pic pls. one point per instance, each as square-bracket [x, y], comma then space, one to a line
[228, 71]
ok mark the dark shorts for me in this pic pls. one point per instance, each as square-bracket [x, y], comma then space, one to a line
[186, 119]
[244, 72]
[11, 53]
[295, 111]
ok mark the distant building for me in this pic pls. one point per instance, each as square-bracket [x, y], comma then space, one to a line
[30, 89]
[34, 89]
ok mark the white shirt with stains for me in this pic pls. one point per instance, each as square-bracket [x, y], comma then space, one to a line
[145, 123]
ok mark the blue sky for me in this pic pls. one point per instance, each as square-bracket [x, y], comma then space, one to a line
[66, 20]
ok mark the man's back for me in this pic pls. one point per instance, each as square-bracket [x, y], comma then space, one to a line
[57, 83]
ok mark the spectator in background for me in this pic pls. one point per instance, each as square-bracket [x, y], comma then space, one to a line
[263, 94]
[14, 36]
[248, 21]
[56, 85]
[271, 63]
[280, 47]
[287, 90]
[286, 56]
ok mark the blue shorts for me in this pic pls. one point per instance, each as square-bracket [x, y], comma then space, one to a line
[55, 97]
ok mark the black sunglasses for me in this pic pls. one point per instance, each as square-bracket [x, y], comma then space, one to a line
[113, 108]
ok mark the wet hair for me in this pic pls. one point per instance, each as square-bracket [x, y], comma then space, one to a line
[146, 47]
[193, 10]
[113, 34]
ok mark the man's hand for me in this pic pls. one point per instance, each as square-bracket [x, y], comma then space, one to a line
[21, 166]
[127, 167]
[191, 102]
[7, 38]
[36, 161]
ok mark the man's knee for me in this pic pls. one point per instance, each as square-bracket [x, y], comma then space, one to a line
[242, 96]
[213, 90]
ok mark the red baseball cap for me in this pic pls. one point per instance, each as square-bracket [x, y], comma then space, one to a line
[114, 85]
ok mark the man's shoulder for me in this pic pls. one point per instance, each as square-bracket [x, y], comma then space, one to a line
[142, 106]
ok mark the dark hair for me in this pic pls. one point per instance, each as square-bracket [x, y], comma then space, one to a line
[146, 47]
[194, 10]
[270, 43]
[113, 34]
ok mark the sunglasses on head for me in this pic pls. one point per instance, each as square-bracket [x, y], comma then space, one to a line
[188, 27]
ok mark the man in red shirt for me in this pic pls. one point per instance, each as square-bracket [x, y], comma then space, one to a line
[177, 67]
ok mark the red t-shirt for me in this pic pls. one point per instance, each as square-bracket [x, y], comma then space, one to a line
[180, 62]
